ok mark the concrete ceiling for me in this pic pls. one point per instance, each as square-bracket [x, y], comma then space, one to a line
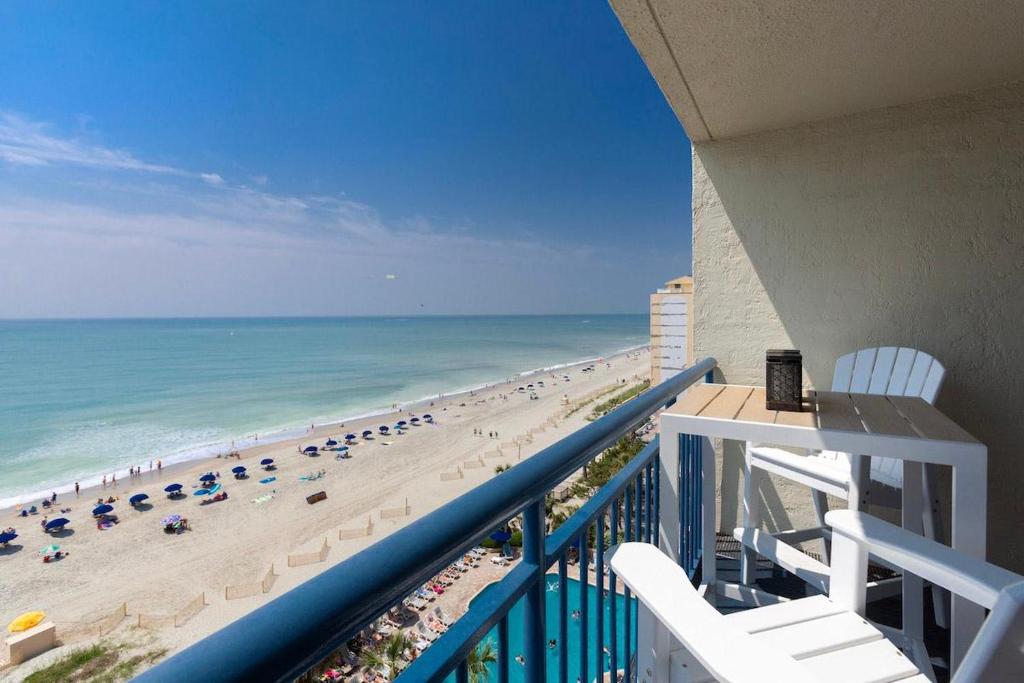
[733, 67]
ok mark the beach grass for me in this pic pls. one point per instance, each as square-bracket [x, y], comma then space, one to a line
[100, 663]
[602, 409]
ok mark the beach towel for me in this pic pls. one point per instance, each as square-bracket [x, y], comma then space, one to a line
[268, 480]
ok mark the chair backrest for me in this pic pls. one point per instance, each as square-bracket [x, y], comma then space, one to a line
[996, 653]
[889, 371]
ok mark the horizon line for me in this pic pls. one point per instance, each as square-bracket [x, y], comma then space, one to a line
[311, 317]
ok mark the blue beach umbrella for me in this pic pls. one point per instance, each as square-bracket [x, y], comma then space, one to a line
[170, 519]
[57, 523]
[342, 449]
[267, 461]
[7, 536]
[501, 536]
[102, 509]
[208, 477]
[414, 420]
[350, 437]
[238, 470]
[366, 433]
[428, 417]
[331, 442]
[172, 488]
[401, 423]
[383, 429]
[138, 498]
[309, 449]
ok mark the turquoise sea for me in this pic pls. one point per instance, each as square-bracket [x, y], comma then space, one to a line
[81, 398]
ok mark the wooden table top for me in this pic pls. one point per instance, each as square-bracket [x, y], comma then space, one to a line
[897, 416]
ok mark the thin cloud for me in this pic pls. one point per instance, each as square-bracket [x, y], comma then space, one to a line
[144, 239]
[28, 143]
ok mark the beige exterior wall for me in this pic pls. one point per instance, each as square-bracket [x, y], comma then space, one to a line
[902, 227]
[671, 338]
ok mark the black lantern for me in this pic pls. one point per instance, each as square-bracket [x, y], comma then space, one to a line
[784, 379]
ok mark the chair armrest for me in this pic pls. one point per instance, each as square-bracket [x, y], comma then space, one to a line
[728, 653]
[974, 579]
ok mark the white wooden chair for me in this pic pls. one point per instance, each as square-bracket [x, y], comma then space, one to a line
[888, 371]
[683, 639]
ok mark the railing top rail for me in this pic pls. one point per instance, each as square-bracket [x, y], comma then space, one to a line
[291, 634]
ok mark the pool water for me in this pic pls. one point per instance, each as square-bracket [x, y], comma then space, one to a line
[515, 632]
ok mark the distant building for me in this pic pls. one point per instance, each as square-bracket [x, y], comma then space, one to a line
[671, 342]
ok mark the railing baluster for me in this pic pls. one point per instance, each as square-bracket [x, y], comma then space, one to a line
[534, 620]
[599, 582]
[649, 501]
[563, 621]
[503, 653]
[584, 601]
[657, 501]
[627, 608]
[698, 498]
[613, 636]
[682, 485]
[690, 548]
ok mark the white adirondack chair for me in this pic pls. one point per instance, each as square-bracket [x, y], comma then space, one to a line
[819, 638]
[886, 371]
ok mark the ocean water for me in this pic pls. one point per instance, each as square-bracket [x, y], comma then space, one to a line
[81, 398]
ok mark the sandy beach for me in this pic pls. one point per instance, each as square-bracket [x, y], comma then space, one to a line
[235, 543]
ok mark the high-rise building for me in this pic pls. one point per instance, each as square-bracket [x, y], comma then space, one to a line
[671, 342]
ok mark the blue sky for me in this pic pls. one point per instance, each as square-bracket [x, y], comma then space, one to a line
[216, 158]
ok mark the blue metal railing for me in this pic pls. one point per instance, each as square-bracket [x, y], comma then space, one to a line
[293, 633]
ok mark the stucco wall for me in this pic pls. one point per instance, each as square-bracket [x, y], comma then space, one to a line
[904, 227]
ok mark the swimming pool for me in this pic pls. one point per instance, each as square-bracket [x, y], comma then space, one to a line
[515, 631]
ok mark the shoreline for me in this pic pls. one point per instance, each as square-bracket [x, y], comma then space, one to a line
[267, 538]
[181, 460]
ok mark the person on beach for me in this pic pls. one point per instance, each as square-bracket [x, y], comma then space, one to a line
[76, 489]
[159, 465]
[104, 481]
[53, 496]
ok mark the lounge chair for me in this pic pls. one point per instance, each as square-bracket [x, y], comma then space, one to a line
[425, 632]
[442, 616]
[500, 561]
[823, 638]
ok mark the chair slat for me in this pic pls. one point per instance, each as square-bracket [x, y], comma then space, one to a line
[876, 662]
[918, 375]
[862, 369]
[843, 374]
[885, 359]
[819, 636]
[783, 614]
[901, 371]
[933, 382]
